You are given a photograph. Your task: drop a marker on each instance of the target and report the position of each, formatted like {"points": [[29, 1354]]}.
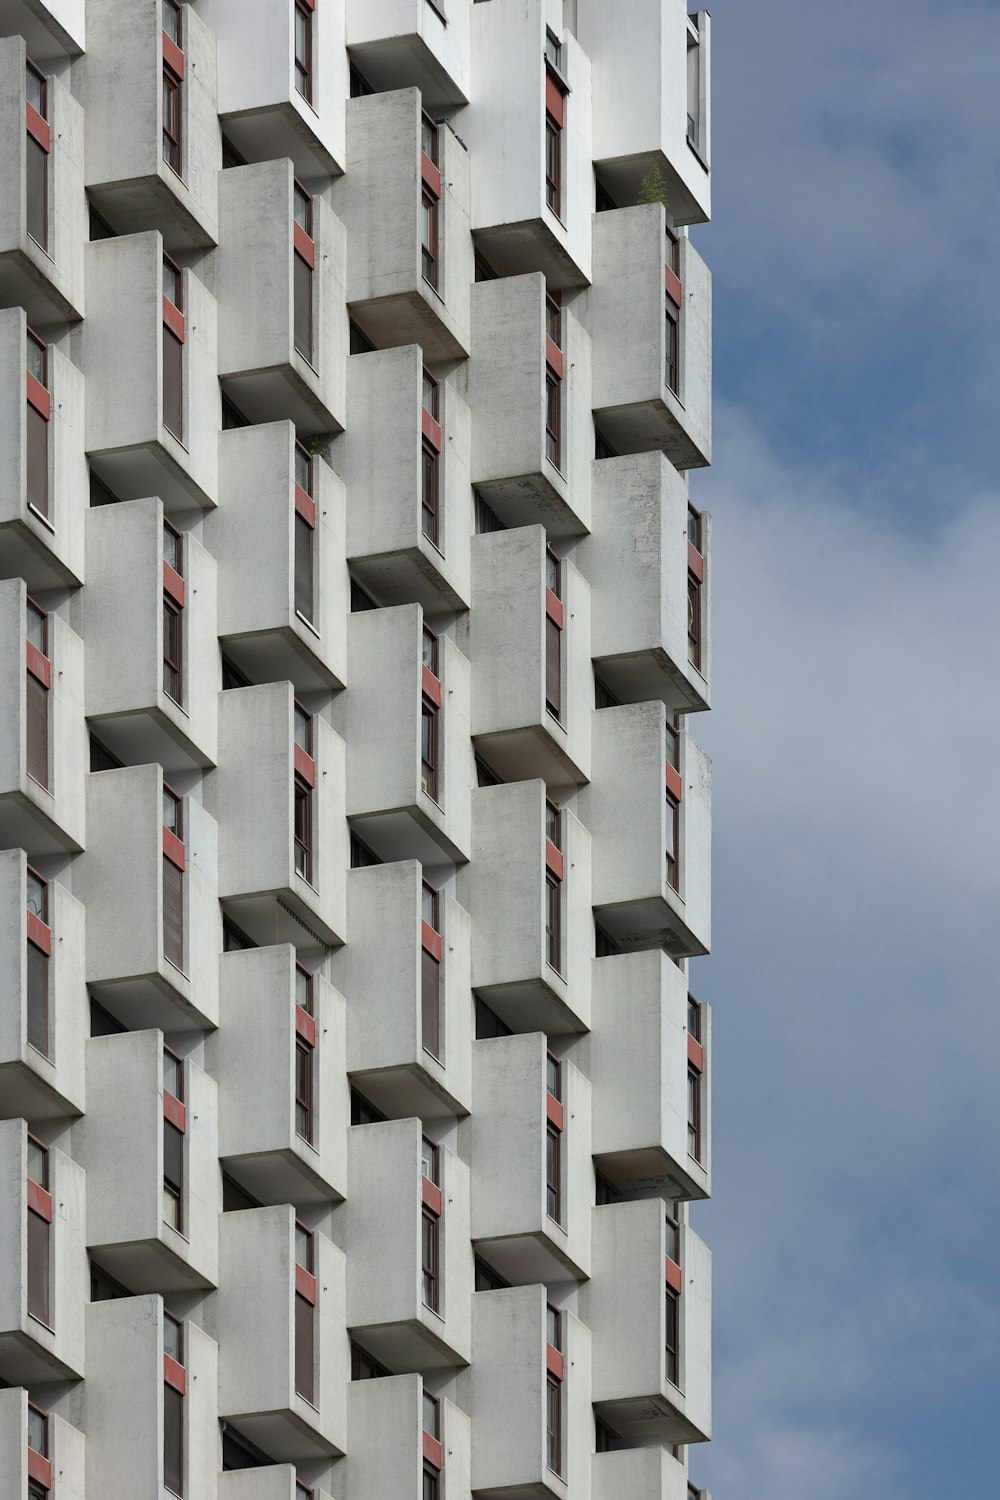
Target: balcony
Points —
{"points": [[43, 1226], [639, 1473], [395, 449], [290, 625], [531, 947], [640, 634], [152, 1425], [283, 252], [283, 1103], [381, 1470], [307, 1349], [653, 890], [512, 1450], [409, 1279], [153, 418], [53, 29], [42, 206], [531, 1201], [642, 1056], [415, 43], [528, 128], [41, 735], [276, 1482], [529, 645], [43, 477], [668, 125], [161, 1235], [409, 255], [46, 1016], [652, 339], [408, 760], [23, 1436], [150, 625], [273, 109], [152, 124], [409, 1024], [532, 432], [642, 1388], [283, 845], [151, 896]]}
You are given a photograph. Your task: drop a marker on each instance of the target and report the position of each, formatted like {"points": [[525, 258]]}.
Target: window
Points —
{"points": [[486, 517], [37, 678], [232, 417], [553, 165], [429, 238], [429, 1226], [553, 1424], [486, 1279], [696, 122], [304, 48], [429, 747], [239, 1453], [553, 317], [484, 271], [553, 49], [673, 742], [303, 468], [170, 20], [305, 1315], [173, 878], [430, 974], [553, 635], [553, 825], [553, 420], [488, 1023], [359, 85], [303, 827], [672, 349], [39, 1230], [38, 1430], [171, 119], [694, 621], [429, 491], [173, 1075], [673, 1235], [304, 601], [431, 394], [694, 1111], [304, 990], [39, 412], [553, 1327], [432, 1416], [361, 856], [432, 1478], [429, 651], [553, 934], [553, 1076], [359, 343], [485, 774], [673, 252], [432, 1439], [430, 1161], [173, 1439], [39, 947], [304, 1059], [602, 448], [302, 208], [672, 1321], [173, 379], [364, 1366], [553, 1173], [672, 821], [429, 138], [304, 259], [173, 1176], [172, 649], [37, 148], [363, 1111]]}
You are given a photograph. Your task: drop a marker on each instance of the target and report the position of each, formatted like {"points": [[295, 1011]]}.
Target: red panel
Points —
{"points": [[305, 1025], [430, 174], [433, 1452], [554, 1362], [37, 127], [696, 1054], [555, 100], [305, 766], [553, 859], [430, 940], [174, 319], [174, 1111], [39, 396], [673, 781], [173, 848], [173, 56], [553, 607], [696, 563], [38, 933], [553, 356], [553, 1111], [173, 584], [39, 1201], [430, 429], [305, 505], [38, 665], [431, 1195], [431, 686], [305, 1284], [672, 1273], [304, 245], [309, 4], [39, 1468], [672, 282], [174, 1374]]}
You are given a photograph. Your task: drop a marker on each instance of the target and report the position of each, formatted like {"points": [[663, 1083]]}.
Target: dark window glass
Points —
{"points": [[364, 1367], [173, 913], [553, 934], [553, 1076], [484, 271], [171, 20], [173, 1338], [429, 651], [304, 989], [429, 748], [553, 1174], [553, 674], [38, 1267], [173, 1074], [553, 49], [173, 1440], [303, 829], [173, 283], [429, 239], [38, 1000], [37, 358], [239, 1453], [429, 493], [553, 165], [304, 1055], [488, 1023], [429, 1258], [36, 191], [488, 1280], [431, 1483], [553, 425], [37, 730], [173, 812], [232, 677], [694, 622], [102, 1023], [236, 1198], [361, 855], [171, 120], [432, 1416], [553, 825], [37, 896], [553, 1327], [173, 384], [38, 1162], [232, 417], [486, 517], [673, 1232], [302, 208], [430, 1003], [694, 1113], [553, 319], [485, 775], [359, 84], [173, 1176], [673, 833], [35, 89], [303, 568], [672, 371], [430, 1159], [38, 1430], [98, 227], [363, 1111], [302, 293], [99, 492], [694, 528], [360, 343], [233, 940], [172, 676], [694, 1019], [429, 138], [430, 395], [305, 1348], [36, 461], [553, 1424], [173, 548], [303, 468], [671, 1336], [602, 448], [303, 50]]}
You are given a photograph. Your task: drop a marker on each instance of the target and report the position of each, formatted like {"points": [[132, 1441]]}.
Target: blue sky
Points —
{"points": [[856, 497]]}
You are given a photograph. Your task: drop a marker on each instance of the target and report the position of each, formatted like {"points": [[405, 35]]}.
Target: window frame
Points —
{"points": [[430, 1260], [303, 64], [173, 134], [553, 418], [429, 239]]}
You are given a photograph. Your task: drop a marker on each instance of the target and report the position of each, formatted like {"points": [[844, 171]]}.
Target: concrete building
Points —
{"points": [[354, 836]]}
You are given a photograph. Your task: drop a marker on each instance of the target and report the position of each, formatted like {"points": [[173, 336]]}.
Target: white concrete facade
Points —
{"points": [[354, 839]]}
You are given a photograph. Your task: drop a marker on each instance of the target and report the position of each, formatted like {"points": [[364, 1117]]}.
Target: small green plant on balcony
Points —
{"points": [[653, 188]]}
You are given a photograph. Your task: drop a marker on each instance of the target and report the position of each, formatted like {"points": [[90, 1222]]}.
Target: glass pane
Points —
{"points": [[38, 1163], [36, 359], [171, 812], [37, 461], [694, 528], [672, 750], [303, 990], [171, 21], [36, 1431], [36, 622], [171, 651], [429, 905], [428, 138], [553, 1076], [303, 729], [36, 190], [173, 913], [553, 49], [553, 1327], [172, 1337], [552, 824], [38, 1267], [173, 1074], [172, 548], [172, 284], [173, 384], [302, 294], [38, 1001], [35, 89], [428, 1159], [37, 902], [36, 730], [430, 1003], [173, 1156], [430, 395], [302, 209], [303, 1248], [303, 568], [671, 821], [428, 651], [173, 1440], [305, 1325], [430, 1415], [303, 469]]}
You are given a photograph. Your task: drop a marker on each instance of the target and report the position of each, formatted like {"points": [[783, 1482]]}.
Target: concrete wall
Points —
{"points": [[392, 1471], [640, 1473], [66, 1449], [412, 28]]}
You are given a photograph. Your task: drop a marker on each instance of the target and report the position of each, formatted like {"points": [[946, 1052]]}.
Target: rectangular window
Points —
{"points": [[364, 1366], [429, 492], [672, 1322], [553, 667], [305, 1318], [553, 317], [173, 913], [429, 651], [38, 1430], [361, 856], [171, 119], [39, 1229], [39, 411], [694, 1113], [173, 1439], [303, 468], [303, 567], [673, 820], [172, 647], [173, 1075], [694, 621], [303, 829], [553, 419], [37, 677], [553, 165], [673, 1234], [432, 1478], [430, 396], [38, 999], [487, 519], [488, 1023], [429, 747], [672, 350], [429, 1228], [553, 1173], [553, 825], [430, 1003], [553, 923], [553, 1076], [170, 20], [695, 111], [304, 1061], [553, 1424], [553, 49], [302, 208], [302, 298], [173, 384], [173, 1176], [430, 1160], [36, 192], [553, 1327], [429, 140], [429, 238], [304, 49]]}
